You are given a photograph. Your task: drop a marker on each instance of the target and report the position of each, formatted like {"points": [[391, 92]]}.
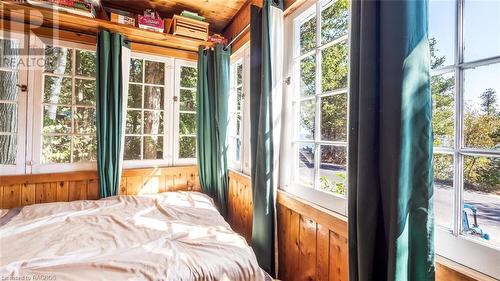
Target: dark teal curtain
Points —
{"points": [[390, 143], [212, 118], [263, 24], [109, 111]]}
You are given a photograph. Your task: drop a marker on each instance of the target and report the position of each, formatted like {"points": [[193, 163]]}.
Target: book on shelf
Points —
{"points": [[78, 7]]}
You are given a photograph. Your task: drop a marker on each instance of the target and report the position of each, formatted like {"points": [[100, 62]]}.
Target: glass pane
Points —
{"points": [[334, 20], [308, 35], [306, 164], [9, 53], [239, 74], [85, 92], [153, 97], [57, 90], [187, 147], [56, 149], [132, 148], [188, 100], [334, 118], [134, 96], [187, 123], [56, 119], [84, 148], [85, 63], [481, 36], [8, 149], [153, 122], [133, 124], [238, 124], [239, 96], [333, 169], [58, 60], [85, 120], [481, 195], [307, 122], [335, 66], [188, 77], [443, 189], [8, 117], [441, 32], [443, 109], [135, 70], [482, 107], [155, 72], [8, 82], [153, 147], [308, 76]]}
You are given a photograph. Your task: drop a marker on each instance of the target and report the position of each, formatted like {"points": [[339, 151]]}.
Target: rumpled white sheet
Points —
{"points": [[169, 236]]}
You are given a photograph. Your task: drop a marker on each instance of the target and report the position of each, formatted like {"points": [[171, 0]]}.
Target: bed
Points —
{"points": [[167, 236]]}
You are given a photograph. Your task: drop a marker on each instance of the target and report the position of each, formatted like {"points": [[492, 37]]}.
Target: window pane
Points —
{"points": [[239, 74], [56, 149], [57, 90], [153, 122], [133, 124], [187, 123], [441, 32], [188, 77], [188, 100], [85, 120], [306, 164], [334, 118], [9, 53], [481, 36], [8, 151], [481, 193], [8, 88], [153, 147], [155, 73], [187, 147], [333, 169], [482, 107], [85, 63], [58, 60], [443, 109], [308, 35], [8, 117], [132, 148], [308, 76], [134, 96], [85, 92], [56, 119], [238, 124], [135, 70], [443, 189], [307, 121], [153, 97], [239, 96], [334, 20], [84, 148], [335, 66]]}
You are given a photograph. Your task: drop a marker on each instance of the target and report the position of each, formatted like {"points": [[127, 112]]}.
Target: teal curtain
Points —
{"points": [[212, 119], [266, 26], [390, 143], [109, 111]]}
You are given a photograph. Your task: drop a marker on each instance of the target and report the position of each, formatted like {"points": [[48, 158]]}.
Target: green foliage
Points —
{"points": [[338, 187]]}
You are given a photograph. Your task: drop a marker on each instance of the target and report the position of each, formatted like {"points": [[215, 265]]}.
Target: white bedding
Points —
{"points": [[169, 236]]}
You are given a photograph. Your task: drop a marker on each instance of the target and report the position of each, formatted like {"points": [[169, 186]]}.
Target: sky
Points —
{"points": [[481, 40]]}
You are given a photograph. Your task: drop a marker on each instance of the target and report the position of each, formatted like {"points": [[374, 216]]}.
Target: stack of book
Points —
{"points": [[78, 7]]}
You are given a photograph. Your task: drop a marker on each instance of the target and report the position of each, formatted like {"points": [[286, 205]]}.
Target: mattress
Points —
{"points": [[168, 236]]}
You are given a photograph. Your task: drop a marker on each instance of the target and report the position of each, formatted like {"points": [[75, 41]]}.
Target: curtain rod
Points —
{"points": [[237, 36]]}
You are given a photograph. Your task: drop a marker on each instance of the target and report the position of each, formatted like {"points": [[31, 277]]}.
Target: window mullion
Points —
{"points": [[317, 116]]}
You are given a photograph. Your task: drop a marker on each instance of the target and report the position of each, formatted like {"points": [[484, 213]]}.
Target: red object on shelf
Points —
{"points": [[151, 21]]}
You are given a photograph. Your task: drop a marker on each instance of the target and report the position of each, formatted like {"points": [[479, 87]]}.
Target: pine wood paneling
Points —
{"points": [[240, 206]]}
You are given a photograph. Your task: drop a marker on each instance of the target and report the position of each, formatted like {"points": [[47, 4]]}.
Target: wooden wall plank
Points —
{"points": [[93, 189], [28, 194], [123, 186], [283, 217], [62, 192], [77, 190], [294, 245], [338, 257], [11, 196], [307, 248], [1, 197], [322, 252]]}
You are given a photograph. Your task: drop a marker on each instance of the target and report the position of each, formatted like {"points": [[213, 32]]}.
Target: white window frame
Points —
{"points": [[451, 243], [167, 118], [22, 106], [36, 98], [241, 56], [176, 116], [291, 103]]}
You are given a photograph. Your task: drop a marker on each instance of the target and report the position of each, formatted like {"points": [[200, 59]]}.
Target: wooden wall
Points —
{"points": [[240, 207], [22, 190]]}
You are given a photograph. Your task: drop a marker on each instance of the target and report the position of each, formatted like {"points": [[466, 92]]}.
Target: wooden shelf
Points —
{"points": [[36, 16]]}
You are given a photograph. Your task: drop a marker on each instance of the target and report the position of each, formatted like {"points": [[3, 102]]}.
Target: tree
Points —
{"points": [[489, 100]]}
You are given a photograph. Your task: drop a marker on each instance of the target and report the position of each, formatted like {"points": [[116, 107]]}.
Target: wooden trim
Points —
{"points": [[239, 22], [449, 270], [292, 5], [44, 178], [164, 51]]}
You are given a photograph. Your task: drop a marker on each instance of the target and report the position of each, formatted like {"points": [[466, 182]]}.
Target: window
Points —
{"points": [[320, 91], [186, 93], [465, 84]]}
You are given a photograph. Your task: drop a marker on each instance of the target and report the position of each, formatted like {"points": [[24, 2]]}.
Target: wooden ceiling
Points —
{"points": [[217, 12]]}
